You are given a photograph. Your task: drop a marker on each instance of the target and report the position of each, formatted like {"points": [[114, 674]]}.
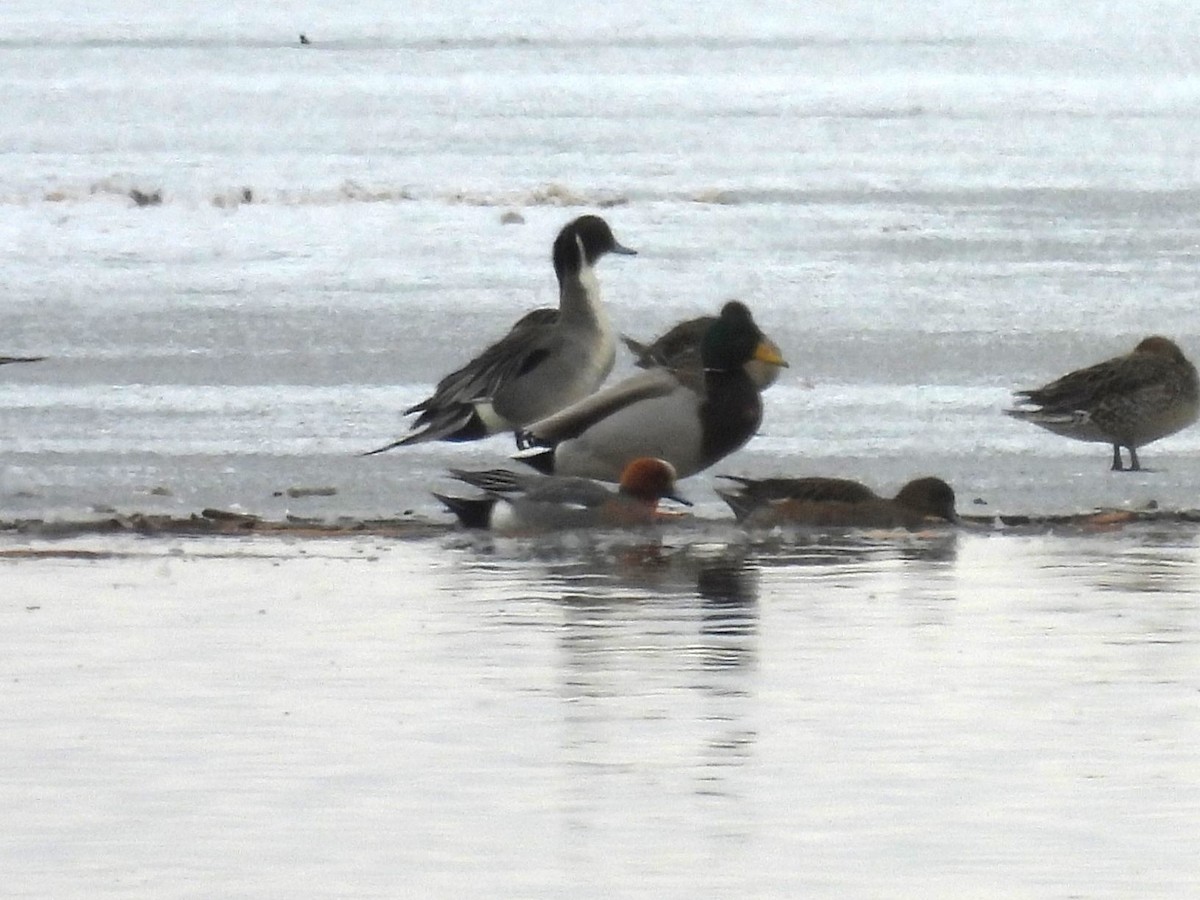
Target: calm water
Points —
{"points": [[985, 716], [925, 207]]}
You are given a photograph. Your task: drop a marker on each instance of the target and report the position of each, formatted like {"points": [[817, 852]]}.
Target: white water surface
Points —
{"points": [[944, 717]]}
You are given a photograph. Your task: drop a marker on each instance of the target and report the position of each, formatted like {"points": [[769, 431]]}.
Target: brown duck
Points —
{"points": [[837, 502], [1128, 401]]}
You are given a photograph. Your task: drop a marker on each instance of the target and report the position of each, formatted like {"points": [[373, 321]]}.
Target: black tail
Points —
{"points": [[472, 512], [740, 502], [464, 425], [542, 461]]}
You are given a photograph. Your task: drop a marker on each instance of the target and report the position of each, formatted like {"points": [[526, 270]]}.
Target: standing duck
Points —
{"points": [[1128, 401], [523, 503], [548, 360], [837, 502], [690, 417]]}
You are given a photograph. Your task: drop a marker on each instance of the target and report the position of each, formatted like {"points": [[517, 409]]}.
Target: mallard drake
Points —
{"points": [[1127, 401], [548, 359], [525, 503], [690, 417], [834, 502]]}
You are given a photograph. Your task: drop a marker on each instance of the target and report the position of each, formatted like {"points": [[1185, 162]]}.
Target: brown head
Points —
{"points": [[1157, 345], [929, 497], [649, 479]]}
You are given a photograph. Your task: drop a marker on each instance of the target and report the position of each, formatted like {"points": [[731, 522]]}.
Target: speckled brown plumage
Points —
{"points": [[1128, 401]]}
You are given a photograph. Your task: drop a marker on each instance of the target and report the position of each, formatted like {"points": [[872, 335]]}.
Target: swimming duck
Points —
{"points": [[679, 348], [690, 417], [522, 503], [549, 359], [837, 502], [1128, 401]]}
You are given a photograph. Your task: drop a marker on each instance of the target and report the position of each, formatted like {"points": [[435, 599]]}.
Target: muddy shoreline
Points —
{"points": [[219, 523]]}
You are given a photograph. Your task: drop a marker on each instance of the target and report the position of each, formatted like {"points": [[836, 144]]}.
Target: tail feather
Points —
{"points": [[643, 356], [472, 512], [742, 481], [460, 423], [542, 460], [1049, 417], [739, 501], [499, 481]]}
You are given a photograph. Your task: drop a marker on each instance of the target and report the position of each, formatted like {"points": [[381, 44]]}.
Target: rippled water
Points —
{"points": [[940, 716]]}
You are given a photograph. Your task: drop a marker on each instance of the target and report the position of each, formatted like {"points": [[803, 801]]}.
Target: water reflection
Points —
{"points": [[815, 548], [1150, 559], [728, 589], [657, 657], [724, 689], [697, 604]]}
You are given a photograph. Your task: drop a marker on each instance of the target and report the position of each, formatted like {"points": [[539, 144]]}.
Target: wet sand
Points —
{"points": [[218, 523]]}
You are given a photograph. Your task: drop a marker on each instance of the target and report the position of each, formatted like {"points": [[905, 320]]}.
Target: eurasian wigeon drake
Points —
{"points": [[690, 417], [549, 358], [1128, 401], [837, 502], [525, 503]]}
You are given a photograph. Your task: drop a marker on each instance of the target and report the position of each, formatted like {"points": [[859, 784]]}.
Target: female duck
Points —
{"points": [[690, 417], [1128, 401], [837, 502], [679, 348], [517, 503], [548, 360]]}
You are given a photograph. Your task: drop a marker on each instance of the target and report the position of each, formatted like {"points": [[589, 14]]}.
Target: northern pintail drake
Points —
{"points": [[1128, 401], [837, 502], [549, 359], [690, 417], [679, 348], [5, 360], [525, 503]]}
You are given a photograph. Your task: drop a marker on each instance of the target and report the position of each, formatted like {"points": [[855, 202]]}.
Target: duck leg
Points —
{"points": [[1134, 465], [1117, 466]]}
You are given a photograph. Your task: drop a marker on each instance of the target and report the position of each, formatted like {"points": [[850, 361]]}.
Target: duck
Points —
{"points": [[837, 502], [548, 359], [690, 417], [1127, 401], [526, 503], [679, 348]]}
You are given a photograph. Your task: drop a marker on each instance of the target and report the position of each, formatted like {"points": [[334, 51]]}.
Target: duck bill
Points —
{"points": [[677, 499], [768, 352], [623, 250]]}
